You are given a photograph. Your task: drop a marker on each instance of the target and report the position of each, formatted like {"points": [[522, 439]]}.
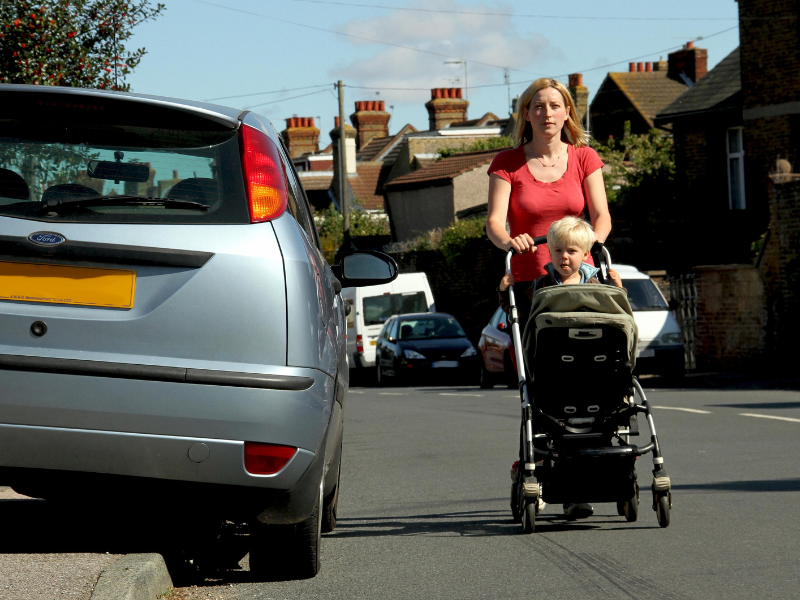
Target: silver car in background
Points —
{"points": [[167, 318]]}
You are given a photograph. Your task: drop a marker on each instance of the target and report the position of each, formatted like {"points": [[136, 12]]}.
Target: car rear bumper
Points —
{"points": [[169, 430], [361, 362], [665, 361]]}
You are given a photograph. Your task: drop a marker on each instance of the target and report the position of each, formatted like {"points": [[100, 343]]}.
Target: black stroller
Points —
{"points": [[580, 401]]}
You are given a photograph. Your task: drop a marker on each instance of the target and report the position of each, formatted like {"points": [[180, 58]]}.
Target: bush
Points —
{"points": [[330, 225], [492, 143]]}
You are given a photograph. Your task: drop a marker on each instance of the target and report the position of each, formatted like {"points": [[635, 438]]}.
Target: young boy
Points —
{"points": [[569, 241]]}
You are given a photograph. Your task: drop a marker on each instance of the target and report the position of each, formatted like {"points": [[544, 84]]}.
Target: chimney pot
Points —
{"points": [[336, 121], [689, 45], [459, 93], [648, 67], [371, 105], [311, 124], [640, 68], [381, 105], [631, 67]]}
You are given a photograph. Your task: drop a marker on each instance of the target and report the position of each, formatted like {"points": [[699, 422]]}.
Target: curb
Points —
{"points": [[133, 577]]}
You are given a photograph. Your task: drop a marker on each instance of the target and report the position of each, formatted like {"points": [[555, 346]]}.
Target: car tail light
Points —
{"points": [[266, 459], [359, 343], [265, 179]]}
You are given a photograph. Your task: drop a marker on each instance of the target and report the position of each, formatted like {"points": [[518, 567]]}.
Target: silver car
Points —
{"points": [[167, 318]]}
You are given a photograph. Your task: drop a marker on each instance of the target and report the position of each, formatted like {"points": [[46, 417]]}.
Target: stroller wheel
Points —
{"points": [[662, 509], [516, 513], [630, 508], [529, 516]]}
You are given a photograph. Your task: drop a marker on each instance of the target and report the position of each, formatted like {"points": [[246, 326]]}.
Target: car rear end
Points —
{"points": [[143, 306]]}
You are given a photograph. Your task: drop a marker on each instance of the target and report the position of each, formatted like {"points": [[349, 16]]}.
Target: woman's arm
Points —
{"points": [[595, 192], [499, 194]]}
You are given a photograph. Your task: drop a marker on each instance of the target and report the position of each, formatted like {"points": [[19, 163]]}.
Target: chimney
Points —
{"points": [[690, 61], [371, 121], [446, 106], [349, 147], [661, 65], [580, 94], [300, 136]]}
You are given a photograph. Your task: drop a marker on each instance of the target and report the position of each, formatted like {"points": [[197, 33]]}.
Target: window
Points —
{"points": [[644, 295], [735, 169], [431, 328], [377, 309]]}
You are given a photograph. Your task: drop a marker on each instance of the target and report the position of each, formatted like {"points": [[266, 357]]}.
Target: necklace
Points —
{"points": [[561, 149]]}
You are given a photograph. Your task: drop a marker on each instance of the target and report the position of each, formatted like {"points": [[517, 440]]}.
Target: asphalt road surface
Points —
{"points": [[424, 507]]}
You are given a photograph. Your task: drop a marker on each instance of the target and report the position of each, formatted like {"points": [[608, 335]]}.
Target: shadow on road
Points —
{"points": [[765, 485]]}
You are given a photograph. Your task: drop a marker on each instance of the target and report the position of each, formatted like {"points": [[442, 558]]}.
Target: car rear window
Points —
{"points": [[112, 161], [377, 309], [430, 328], [644, 295]]}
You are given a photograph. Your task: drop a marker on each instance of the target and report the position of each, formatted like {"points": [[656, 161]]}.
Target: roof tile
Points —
{"points": [[446, 168], [650, 92]]}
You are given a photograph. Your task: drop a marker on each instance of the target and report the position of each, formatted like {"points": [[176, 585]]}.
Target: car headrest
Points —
{"points": [[406, 331], [65, 191], [196, 189], [12, 185]]}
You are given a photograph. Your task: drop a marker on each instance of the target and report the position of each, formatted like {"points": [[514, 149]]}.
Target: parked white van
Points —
{"points": [[372, 306], [660, 339]]}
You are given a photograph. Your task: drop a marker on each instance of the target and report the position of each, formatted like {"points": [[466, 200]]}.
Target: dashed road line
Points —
{"points": [[473, 395], [392, 394], [790, 419], [354, 392], [691, 410]]}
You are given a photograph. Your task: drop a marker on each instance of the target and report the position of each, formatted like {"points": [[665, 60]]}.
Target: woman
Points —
{"points": [[551, 173]]}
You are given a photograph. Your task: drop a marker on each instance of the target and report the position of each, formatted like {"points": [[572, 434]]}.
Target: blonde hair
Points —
{"points": [[573, 131], [571, 231]]}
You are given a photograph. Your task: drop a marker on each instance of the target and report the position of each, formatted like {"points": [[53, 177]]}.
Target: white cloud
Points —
{"points": [[478, 39]]}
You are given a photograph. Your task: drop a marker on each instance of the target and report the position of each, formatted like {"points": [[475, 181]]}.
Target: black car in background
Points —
{"points": [[429, 346]]}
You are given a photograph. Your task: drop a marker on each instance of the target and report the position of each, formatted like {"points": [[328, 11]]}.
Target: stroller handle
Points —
{"points": [[537, 241]]}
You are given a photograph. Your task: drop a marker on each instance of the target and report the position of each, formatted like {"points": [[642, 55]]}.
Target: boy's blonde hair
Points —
{"points": [[571, 231]]}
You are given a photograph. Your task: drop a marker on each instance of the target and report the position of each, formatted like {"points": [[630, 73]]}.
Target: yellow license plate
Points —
{"points": [[373, 342], [62, 284]]}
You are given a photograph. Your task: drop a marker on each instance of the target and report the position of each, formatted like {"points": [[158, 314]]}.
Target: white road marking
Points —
{"points": [[691, 410], [354, 392], [790, 419], [473, 395], [392, 394]]}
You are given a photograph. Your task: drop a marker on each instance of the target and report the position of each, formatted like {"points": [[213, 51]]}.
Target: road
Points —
{"points": [[424, 507]]}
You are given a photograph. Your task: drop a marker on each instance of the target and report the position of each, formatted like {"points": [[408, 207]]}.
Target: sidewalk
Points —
{"points": [[43, 575], [753, 380]]}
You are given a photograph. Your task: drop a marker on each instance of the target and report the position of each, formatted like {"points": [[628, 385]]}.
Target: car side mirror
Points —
{"points": [[673, 304], [365, 267]]}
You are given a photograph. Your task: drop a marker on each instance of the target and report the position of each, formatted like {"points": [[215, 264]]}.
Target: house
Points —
{"points": [[707, 126], [645, 90], [431, 197]]}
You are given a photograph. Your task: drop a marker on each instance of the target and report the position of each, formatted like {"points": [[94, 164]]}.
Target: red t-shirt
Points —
{"points": [[534, 205]]}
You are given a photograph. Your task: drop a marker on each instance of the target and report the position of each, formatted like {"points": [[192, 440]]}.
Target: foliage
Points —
{"points": [[330, 225], [75, 43], [637, 160], [450, 241], [491, 143]]}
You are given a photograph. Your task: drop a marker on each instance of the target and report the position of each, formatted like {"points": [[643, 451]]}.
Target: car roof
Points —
{"points": [[221, 114], [629, 272], [425, 315]]}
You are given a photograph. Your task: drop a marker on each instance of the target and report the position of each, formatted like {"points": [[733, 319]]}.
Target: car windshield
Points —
{"points": [[377, 309], [121, 166], [644, 295], [430, 328]]}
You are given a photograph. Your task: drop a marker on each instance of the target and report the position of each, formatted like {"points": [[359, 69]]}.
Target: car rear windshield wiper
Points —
{"points": [[120, 199]]}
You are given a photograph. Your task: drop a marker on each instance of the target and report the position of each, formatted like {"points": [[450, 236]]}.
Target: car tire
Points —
{"points": [[378, 374], [486, 380], [283, 552]]}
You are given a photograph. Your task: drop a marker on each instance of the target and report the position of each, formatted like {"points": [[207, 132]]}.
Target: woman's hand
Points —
{"points": [[521, 243], [614, 276], [506, 282]]}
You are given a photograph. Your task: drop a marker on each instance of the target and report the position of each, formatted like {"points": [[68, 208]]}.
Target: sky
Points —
{"points": [[282, 58]]}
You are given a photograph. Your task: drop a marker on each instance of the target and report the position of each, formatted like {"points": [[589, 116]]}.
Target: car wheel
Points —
{"points": [[379, 374], [486, 379], [281, 552]]}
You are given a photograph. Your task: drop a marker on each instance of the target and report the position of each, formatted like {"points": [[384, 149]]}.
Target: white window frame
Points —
{"points": [[732, 202]]}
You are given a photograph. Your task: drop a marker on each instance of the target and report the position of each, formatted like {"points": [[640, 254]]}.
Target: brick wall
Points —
{"points": [[731, 317], [780, 269], [464, 287]]}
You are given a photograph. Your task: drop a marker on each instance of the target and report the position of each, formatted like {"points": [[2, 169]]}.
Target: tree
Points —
{"points": [[74, 43]]}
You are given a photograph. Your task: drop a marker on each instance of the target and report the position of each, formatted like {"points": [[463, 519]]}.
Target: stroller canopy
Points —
{"points": [[584, 305]]}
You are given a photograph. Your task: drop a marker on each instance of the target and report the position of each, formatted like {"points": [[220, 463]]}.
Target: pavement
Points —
{"points": [[101, 567]]}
